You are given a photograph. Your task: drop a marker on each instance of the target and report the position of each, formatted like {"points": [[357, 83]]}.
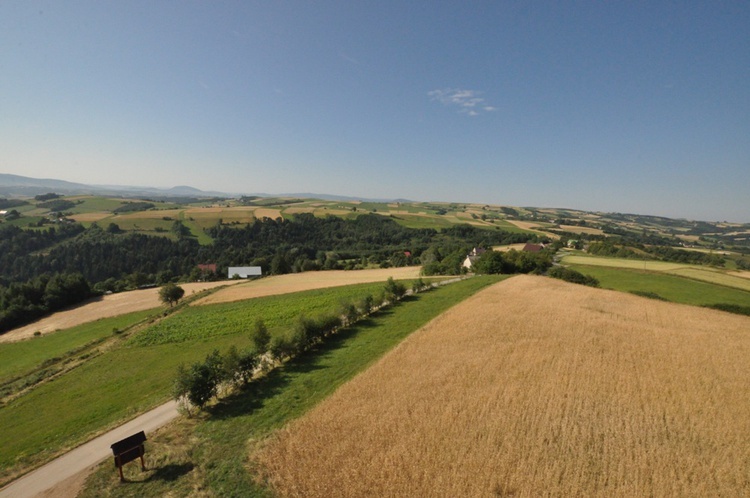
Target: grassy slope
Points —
{"points": [[211, 456], [17, 358], [704, 273], [670, 287], [138, 376]]}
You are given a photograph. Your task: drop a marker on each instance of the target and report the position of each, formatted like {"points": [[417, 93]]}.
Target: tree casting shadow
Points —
{"points": [[254, 395]]}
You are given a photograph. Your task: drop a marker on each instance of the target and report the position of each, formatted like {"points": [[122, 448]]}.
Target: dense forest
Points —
{"points": [[36, 264]]}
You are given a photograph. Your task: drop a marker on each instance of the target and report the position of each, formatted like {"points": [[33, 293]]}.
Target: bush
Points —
{"points": [[394, 290], [731, 308], [281, 347], [349, 314], [650, 295], [260, 337], [201, 381], [572, 276], [365, 305]]}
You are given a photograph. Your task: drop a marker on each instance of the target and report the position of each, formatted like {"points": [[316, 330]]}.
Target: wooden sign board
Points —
{"points": [[128, 449]]}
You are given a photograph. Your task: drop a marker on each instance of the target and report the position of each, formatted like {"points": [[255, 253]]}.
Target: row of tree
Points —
{"points": [[496, 262], [197, 384]]}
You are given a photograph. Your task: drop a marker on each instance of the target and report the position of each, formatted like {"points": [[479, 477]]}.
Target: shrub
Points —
{"points": [[349, 314], [394, 290], [260, 336], [573, 276], [365, 305], [281, 347]]}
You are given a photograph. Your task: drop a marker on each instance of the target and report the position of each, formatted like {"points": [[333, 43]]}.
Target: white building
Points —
{"points": [[244, 271]]}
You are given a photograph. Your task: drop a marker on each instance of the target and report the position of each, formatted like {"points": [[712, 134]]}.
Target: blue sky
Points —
{"points": [[640, 107]]}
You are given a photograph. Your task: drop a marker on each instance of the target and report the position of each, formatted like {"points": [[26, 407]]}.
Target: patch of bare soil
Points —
{"points": [[102, 307]]}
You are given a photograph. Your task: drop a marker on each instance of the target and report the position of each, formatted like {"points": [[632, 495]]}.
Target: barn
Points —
{"points": [[244, 271]]}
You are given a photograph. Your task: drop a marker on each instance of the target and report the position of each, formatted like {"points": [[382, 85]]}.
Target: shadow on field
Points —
{"points": [[171, 472], [254, 395]]}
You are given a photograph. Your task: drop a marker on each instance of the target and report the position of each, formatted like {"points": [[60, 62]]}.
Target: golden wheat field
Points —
{"points": [[297, 282], [536, 387]]}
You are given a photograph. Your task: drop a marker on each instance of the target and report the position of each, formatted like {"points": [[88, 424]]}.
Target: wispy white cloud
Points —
{"points": [[466, 101], [347, 58]]}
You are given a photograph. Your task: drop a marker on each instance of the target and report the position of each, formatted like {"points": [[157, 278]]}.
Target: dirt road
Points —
{"points": [[63, 476]]}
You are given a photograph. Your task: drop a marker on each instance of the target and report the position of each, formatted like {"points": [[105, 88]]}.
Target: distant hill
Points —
{"points": [[15, 185], [23, 184]]}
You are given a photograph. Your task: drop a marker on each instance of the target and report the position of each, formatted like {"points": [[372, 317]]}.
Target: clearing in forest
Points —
{"points": [[536, 387]]}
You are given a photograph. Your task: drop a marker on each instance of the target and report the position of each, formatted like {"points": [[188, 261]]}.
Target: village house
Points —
{"points": [[472, 257]]}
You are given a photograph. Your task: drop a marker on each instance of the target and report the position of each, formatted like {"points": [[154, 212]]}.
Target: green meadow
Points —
{"points": [[670, 287], [18, 358]]}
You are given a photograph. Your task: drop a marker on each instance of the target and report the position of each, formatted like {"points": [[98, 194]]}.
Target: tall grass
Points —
{"points": [[536, 387]]}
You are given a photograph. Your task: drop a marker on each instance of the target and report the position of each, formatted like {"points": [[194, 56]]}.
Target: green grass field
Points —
{"points": [[510, 227], [95, 204], [216, 450], [18, 358], [138, 375], [670, 287], [702, 273], [419, 221]]}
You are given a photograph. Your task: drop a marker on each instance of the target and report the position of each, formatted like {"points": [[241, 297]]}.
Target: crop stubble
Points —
{"points": [[537, 387]]}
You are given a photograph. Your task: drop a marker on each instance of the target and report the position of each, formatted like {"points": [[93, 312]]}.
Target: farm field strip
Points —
{"points": [[126, 302], [635, 264], [690, 271], [137, 376], [666, 285], [532, 226], [295, 282], [536, 387], [580, 229], [104, 307]]}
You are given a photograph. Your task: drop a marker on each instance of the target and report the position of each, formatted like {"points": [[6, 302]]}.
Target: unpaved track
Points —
{"points": [[62, 477]]}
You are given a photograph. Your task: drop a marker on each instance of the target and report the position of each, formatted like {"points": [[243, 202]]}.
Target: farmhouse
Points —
{"points": [[472, 257], [244, 271]]}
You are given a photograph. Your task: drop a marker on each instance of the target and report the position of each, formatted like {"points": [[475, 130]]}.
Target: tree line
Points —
{"points": [[197, 384], [110, 260], [21, 303]]}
